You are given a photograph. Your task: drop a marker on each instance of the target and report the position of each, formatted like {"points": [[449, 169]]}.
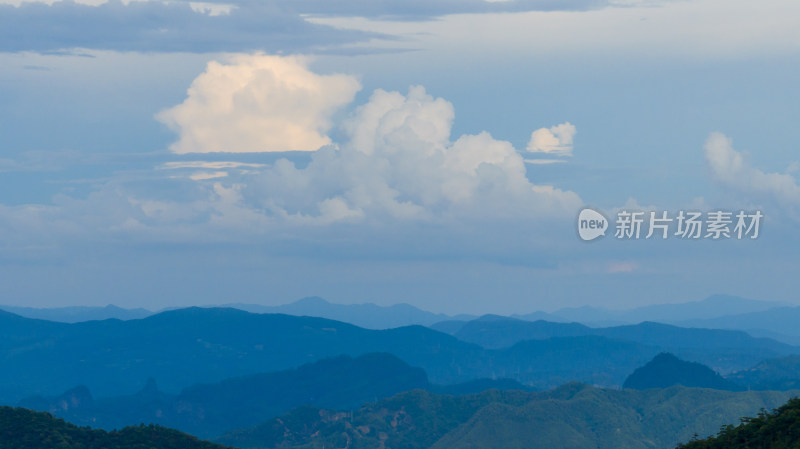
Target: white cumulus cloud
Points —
{"points": [[397, 182], [401, 163], [258, 103], [554, 141]]}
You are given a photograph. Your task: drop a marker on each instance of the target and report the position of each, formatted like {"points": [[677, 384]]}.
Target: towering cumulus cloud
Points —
{"points": [[396, 163], [401, 163], [258, 103]]}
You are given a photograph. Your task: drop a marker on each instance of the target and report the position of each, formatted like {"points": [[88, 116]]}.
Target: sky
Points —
{"points": [[438, 153]]}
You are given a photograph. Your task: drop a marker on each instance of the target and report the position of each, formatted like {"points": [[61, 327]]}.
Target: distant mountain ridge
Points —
{"points": [[761, 318], [717, 348], [367, 315], [206, 345], [780, 320], [78, 313], [712, 307]]}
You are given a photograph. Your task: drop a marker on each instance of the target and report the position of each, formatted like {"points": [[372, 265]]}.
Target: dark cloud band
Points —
{"points": [[271, 26]]}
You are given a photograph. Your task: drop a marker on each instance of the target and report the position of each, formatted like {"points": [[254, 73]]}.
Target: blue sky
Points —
{"points": [[436, 153]]}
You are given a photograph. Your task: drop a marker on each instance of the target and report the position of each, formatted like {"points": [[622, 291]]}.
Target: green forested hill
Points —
{"points": [[572, 416], [779, 429], [21, 429], [411, 420]]}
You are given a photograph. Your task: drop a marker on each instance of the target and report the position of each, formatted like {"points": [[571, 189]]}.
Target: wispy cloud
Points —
{"points": [[730, 168], [173, 165]]}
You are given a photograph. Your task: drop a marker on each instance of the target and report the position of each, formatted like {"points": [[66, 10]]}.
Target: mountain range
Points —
{"points": [[716, 311], [715, 306], [209, 410], [724, 350], [367, 315], [572, 416], [782, 373], [78, 313], [204, 345]]}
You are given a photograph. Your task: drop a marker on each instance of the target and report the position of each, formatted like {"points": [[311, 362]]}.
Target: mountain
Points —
{"points": [[714, 306], [195, 345], [494, 332], [772, 374], [209, 410], [769, 430], [369, 316], [449, 326], [725, 350], [591, 359], [572, 416], [666, 370], [206, 345], [478, 386], [591, 316], [793, 340], [66, 404], [114, 357], [22, 428], [781, 321], [541, 316], [78, 314], [415, 419]]}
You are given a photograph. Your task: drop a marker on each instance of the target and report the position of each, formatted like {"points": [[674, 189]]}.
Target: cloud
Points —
{"points": [[554, 141], [387, 9], [545, 161], [730, 168], [156, 26], [258, 103], [622, 267], [429, 9], [173, 165], [401, 163], [204, 170], [396, 184], [236, 26]]}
